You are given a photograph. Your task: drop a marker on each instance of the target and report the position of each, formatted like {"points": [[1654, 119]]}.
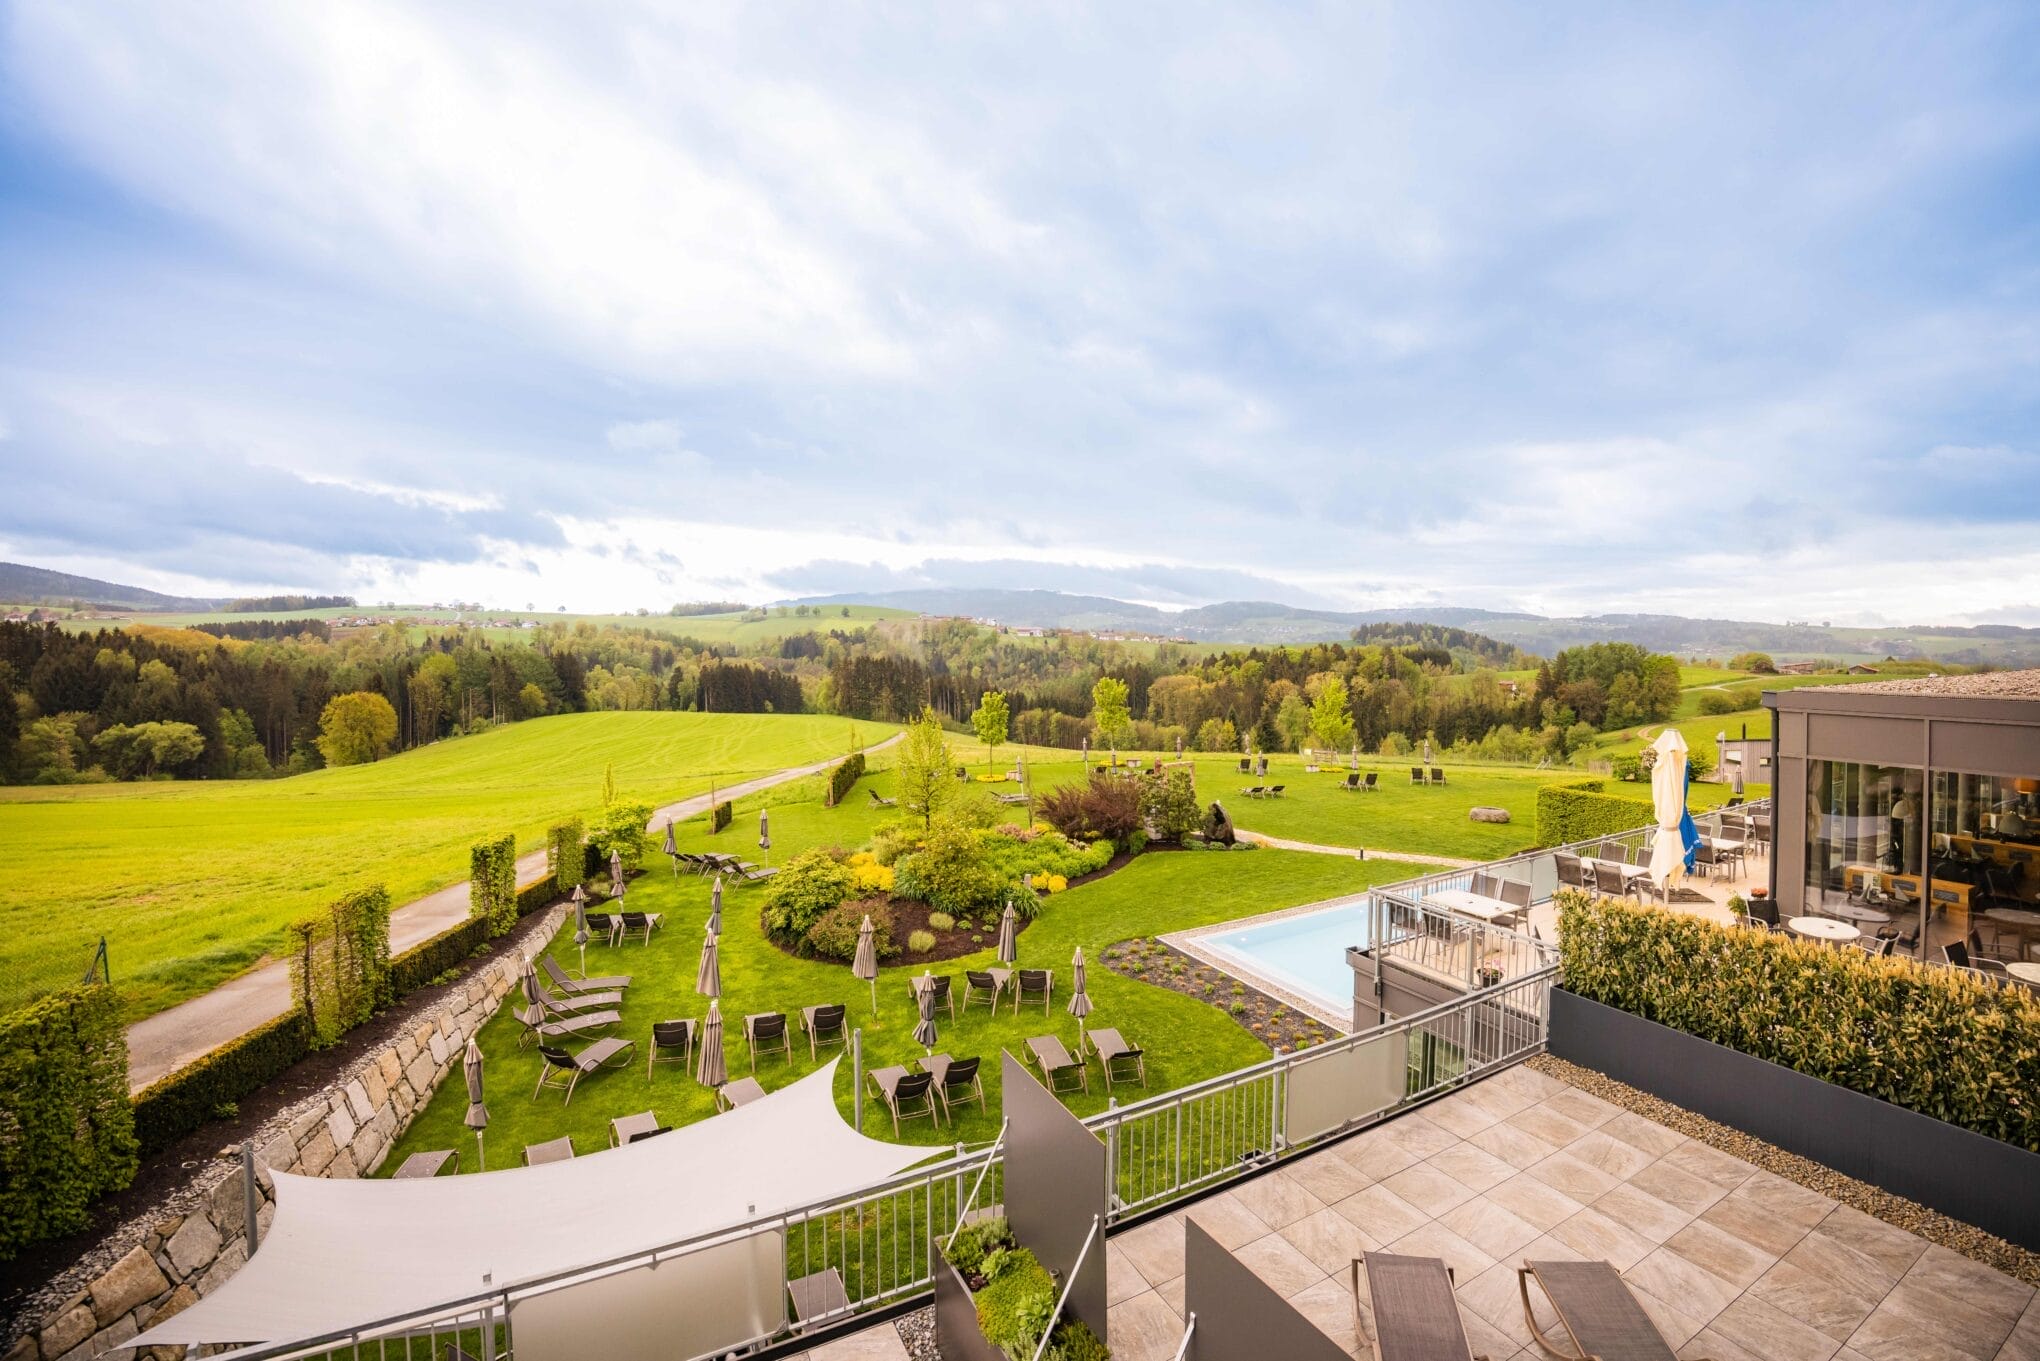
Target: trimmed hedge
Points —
{"points": [[492, 883], [340, 963], [67, 1133], [563, 852], [1579, 811], [719, 816], [843, 778], [532, 897], [428, 959], [1931, 1040], [174, 1105]]}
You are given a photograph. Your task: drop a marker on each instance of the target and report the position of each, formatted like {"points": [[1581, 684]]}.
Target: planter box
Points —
{"points": [[956, 1325], [1979, 1180]]}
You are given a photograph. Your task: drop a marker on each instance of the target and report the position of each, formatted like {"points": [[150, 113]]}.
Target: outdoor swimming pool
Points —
{"points": [[1305, 954]]}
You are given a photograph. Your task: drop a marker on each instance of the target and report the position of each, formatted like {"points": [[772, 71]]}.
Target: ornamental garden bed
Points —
{"points": [[1274, 1023]]}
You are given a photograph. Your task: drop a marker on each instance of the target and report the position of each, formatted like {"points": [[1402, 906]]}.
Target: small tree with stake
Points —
{"points": [[990, 721]]}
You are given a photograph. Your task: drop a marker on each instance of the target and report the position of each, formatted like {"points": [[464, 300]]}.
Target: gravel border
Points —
{"points": [[1932, 1225]]}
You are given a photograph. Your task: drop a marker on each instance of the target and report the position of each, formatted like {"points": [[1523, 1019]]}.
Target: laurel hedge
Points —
{"points": [[178, 1103], [67, 1133], [340, 963], [1579, 811], [843, 777], [719, 816], [564, 854], [1932, 1040], [492, 883]]}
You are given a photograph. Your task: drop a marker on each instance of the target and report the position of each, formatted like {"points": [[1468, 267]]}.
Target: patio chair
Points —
{"points": [[625, 1128], [1483, 885], [1516, 894], [672, 1042], [1054, 1061], [741, 1092], [824, 1026], [980, 986], [878, 802], [566, 983], [957, 1084], [1415, 1313], [1032, 983], [1605, 878], [945, 1000], [561, 1069], [765, 1032], [907, 1095], [1598, 1315], [1571, 872], [538, 1027], [1437, 775], [644, 1134], [639, 923], [1416, 774], [551, 1151], [1112, 1048]]}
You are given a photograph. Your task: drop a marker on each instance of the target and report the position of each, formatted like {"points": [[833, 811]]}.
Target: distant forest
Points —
{"points": [[245, 698]]}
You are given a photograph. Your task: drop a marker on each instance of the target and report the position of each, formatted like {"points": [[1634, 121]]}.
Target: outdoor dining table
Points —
{"points": [[1472, 904], [2025, 973], [1824, 928]]}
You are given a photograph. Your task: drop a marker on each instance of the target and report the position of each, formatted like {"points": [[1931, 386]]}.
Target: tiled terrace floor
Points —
{"points": [[1734, 1263]]}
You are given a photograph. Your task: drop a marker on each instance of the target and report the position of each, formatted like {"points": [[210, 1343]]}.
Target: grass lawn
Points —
{"points": [[192, 881], [1186, 1040]]}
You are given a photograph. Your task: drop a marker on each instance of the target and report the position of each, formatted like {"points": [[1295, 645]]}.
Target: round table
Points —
{"points": [[1823, 928], [2025, 973]]}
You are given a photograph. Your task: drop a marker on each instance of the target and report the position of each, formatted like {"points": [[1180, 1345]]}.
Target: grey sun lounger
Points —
{"points": [[1112, 1048], [537, 1026], [1416, 1315], [561, 1069], [1599, 1317], [551, 1151], [567, 983], [1054, 1060]]}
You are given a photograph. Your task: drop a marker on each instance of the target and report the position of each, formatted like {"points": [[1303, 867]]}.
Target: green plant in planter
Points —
{"points": [[1074, 1341], [977, 1241], [1014, 1308]]}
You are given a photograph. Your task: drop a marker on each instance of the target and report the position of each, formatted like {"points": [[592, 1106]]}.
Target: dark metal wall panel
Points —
{"points": [[1867, 738], [1979, 1180], [1986, 748], [956, 1327], [1791, 734], [1788, 833], [1239, 1316], [1055, 1186]]}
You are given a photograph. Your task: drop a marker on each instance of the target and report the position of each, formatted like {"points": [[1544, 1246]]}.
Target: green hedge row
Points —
{"points": [[532, 897], [844, 777], [1579, 811], [1935, 1041], [563, 851], [719, 816], [179, 1103], [428, 959], [492, 883], [67, 1134]]}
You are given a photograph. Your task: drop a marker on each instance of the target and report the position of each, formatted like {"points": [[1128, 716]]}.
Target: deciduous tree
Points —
{"points": [[990, 721], [925, 783], [356, 728]]}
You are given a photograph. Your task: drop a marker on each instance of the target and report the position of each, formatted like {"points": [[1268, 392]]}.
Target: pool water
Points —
{"points": [[1306, 954]]}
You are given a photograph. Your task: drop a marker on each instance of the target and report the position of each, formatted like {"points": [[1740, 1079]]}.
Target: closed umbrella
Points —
{"points": [[477, 1113], [1008, 924], [1080, 1001], [708, 978], [924, 997], [865, 965], [1427, 751], [616, 874], [1084, 747], [528, 980], [764, 830], [581, 928], [715, 908], [671, 849], [1671, 854], [709, 1070]]}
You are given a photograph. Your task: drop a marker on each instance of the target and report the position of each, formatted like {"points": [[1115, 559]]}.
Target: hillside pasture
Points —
{"points": [[191, 882]]}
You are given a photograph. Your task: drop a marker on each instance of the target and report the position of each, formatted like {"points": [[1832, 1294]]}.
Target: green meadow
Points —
{"points": [[191, 882]]}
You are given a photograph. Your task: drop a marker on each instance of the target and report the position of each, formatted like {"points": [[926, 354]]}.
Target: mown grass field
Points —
{"points": [[191, 882], [1186, 1039]]}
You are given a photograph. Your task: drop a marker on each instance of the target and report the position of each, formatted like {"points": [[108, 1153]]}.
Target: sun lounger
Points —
{"points": [[639, 923], [1011, 800], [1416, 1315], [1275, 790], [538, 1027], [1112, 1048], [1597, 1314], [980, 986], [906, 1094], [818, 1298], [562, 1069], [957, 1082], [672, 1042], [1032, 983], [428, 1164], [603, 925], [742, 1092], [765, 1032], [878, 802], [824, 1025], [551, 1151], [1437, 775], [1351, 782], [1054, 1060], [1254, 791], [944, 998], [1372, 782], [573, 1004], [625, 1128], [751, 874], [566, 983], [1416, 774]]}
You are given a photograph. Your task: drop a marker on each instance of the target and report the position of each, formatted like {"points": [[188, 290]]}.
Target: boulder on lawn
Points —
{"points": [[1489, 815]]}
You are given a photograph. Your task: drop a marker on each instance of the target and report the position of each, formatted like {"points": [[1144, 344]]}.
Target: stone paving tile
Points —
{"points": [[1435, 1240], [1382, 1214], [1330, 1240], [1647, 1135], [1430, 1190], [1330, 1179], [1642, 1214], [1602, 1150], [2024, 1343], [1122, 1279], [1549, 1125], [1535, 1202], [1491, 1227], [1144, 1328], [1745, 1217], [1678, 1188], [1155, 1249], [1228, 1221], [1517, 1147], [1472, 1166], [1891, 1248], [1281, 1264], [1733, 1259], [1759, 1326], [1329, 1305], [1582, 1181], [1277, 1198], [1461, 1115], [1596, 1235], [873, 1344], [1835, 1303]]}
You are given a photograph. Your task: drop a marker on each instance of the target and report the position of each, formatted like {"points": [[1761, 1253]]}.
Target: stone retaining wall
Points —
{"points": [[345, 1130]]}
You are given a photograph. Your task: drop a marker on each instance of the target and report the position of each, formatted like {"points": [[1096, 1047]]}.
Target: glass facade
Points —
{"points": [[1933, 858]]}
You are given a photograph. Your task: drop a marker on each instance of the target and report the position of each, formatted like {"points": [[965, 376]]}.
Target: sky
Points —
{"points": [[1715, 310]]}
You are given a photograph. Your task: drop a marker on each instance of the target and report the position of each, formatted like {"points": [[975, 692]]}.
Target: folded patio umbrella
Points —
{"points": [[764, 830], [616, 874], [581, 928], [708, 978], [1008, 924], [477, 1118], [710, 1071], [529, 981], [670, 848], [865, 965], [924, 996], [1080, 1001], [715, 908]]}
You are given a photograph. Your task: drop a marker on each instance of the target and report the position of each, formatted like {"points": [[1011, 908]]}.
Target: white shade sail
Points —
{"points": [[345, 1252]]}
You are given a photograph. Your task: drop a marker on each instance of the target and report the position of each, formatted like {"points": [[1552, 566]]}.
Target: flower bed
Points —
{"points": [[1279, 1026]]}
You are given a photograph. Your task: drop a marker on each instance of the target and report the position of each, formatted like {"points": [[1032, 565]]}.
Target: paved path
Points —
{"points": [[170, 1039], [1353, 852]]}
